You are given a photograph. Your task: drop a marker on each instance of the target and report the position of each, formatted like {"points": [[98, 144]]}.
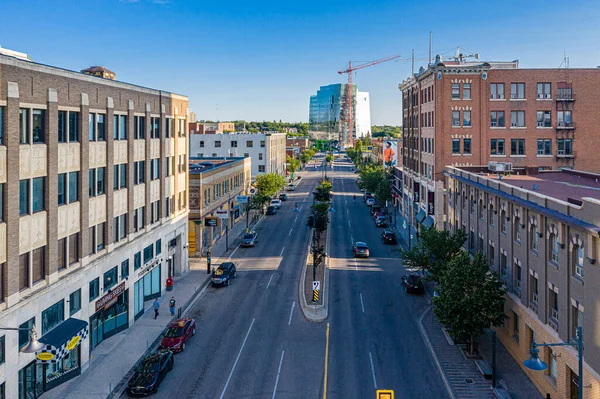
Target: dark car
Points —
{"points": [[413, 283], [381, 221], [250, 239], [367, 195], [271, 210], [150, 372], [283, 197], [177, 334], [388, 237], [223, 274], [360, 250]]}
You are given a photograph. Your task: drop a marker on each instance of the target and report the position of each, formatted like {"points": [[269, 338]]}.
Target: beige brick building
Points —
{"points": [[94, 212], [540, 232]]}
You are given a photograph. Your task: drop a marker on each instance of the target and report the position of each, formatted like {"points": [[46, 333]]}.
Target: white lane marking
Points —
{"points": [[282, 249], [291, 313], [362, 304], [346, 202], [234, 251], [296, 219], [347, 211], [352, 239], [290, 233], [270, 278], [349, 224], [373, 370], [278, 373], [237, 359], [355, 265]]}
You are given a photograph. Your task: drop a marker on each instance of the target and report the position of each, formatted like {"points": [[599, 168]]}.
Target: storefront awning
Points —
{"points": [[61, 340], [420, 216], [428, 222]]}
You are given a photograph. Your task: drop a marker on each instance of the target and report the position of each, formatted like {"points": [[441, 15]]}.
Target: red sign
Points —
{"points": [[111, 298]]}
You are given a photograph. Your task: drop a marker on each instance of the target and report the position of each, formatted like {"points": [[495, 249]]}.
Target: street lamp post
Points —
{"points": [[33, 345], [534, 362]]}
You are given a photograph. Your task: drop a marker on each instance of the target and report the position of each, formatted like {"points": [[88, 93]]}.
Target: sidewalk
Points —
{"points": [[115, 357]]}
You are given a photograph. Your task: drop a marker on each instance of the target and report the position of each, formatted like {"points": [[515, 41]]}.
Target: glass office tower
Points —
{"points": [[325, 109]]}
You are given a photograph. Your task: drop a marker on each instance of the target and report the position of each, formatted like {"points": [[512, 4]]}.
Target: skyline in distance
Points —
{"points": [[262, 61]]}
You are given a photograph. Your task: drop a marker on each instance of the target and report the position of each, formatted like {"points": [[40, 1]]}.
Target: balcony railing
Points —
{"points": [[565, 96], [565, 125]]}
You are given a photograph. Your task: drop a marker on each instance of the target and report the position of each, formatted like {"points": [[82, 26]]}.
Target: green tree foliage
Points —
{"points": [[386, 131], [470, 297], [443, 246], [323, 191], [418, 257], [292, 164], [258, 201], [272, 127], [306, 155], [358, 145], [329, 158], [320, 209], [269, 184], [383, 192], [370, 177]]}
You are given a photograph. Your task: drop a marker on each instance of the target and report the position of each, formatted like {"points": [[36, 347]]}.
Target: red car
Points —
{"points": [[177, 334], [377, 214]]}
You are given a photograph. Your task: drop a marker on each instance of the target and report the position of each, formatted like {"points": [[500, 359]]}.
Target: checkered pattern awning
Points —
{"points": [[61, 340]]}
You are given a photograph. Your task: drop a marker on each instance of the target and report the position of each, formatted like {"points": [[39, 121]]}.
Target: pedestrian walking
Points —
{"points": [[172, 305], [156, 307]]}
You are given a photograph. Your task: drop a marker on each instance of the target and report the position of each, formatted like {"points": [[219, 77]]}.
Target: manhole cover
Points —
{"points": [[469, 380]]}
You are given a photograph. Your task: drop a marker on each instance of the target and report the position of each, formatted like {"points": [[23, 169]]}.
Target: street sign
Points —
{"points": [[241, 199], [222, 214], [316, 285], [252, 190], [210, 222]]}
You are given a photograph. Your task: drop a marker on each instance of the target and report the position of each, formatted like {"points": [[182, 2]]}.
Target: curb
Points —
{"points": [[433, 354]]}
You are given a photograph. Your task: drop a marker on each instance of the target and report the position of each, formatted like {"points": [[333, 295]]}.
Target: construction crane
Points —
{"points": [[348, 103]]}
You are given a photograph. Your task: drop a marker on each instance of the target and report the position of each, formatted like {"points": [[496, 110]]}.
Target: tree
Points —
{"points": [[258, 202], [358, 145], [292, 165], [320, 209], [329, 158], [323, 191], [370, 177], [417, 257], [442, 247], [470, 297], [269, 184], [383, 192]]}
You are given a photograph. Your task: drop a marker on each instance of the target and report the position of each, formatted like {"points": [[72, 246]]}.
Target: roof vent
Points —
{"points": [[574, 201]]}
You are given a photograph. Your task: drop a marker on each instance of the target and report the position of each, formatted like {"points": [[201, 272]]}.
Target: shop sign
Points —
{"points": [[416, 191], [45, 356], [430, 202], [210, 222], [150, 265], [241, 199], [111, 298], [222, 214], [73, 343]]}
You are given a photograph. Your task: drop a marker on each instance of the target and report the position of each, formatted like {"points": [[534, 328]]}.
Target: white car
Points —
{"points": [[370, 202], [290, 187], [276, 203]]}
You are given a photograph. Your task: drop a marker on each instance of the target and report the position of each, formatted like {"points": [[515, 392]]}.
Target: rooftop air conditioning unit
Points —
{"points": [[500, 166]]}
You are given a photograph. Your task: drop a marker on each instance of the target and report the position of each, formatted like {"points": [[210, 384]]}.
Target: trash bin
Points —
{"points": [[170, 284]]}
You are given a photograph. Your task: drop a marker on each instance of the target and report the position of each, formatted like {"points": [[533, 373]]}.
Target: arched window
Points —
{"points": [[577, 260], [553, 248]]}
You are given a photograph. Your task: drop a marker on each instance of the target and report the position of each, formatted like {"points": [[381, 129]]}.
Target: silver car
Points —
{"points": [[250, 239]]}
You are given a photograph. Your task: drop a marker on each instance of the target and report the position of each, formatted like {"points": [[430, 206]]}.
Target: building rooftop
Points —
{"points": [[201, 165]]}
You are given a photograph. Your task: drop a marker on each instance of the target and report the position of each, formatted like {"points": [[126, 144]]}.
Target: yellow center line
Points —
{"points": [[326, 362]]}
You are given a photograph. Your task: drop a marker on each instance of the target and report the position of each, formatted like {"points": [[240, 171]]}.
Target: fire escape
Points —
{"points": [[565, 127]]}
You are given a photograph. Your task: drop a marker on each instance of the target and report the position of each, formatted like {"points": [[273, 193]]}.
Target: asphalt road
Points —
{"points": [[252, 340]]}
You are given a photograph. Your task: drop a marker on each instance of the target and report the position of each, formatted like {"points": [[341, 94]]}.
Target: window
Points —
{"points": [[466, 146], [148, 253], [565, 146], [534, 239], [261, 168], [517, 118], [497, 91], [100, 127], [122, 176], [466, 118], [503, 221], [119, 227], [491, 255], [38, 258], [73, 184], [158, 247], [497, 119], [139, 127], [92, 182], [25, 332], [260, 156], [100, 236], [73, 248], [24, 197], [472, 241], [122, 127], [53, 316], [74, 302], [62, 126], [155, 211], [217, 144], [137, 261], [154, 127], [544, 147], [2, 129], [38, 195], [553, 367], [553, 248], [38, 125], [125, 269], [62, 253], [534, 289], [234, 143], [100, 181], [544, 119], [577, 259], [249, 143], [517, 91], [455, 118], [455, 91], [139, 172], [544, 90], [517, 146], [73, 127], [497, 146], [553, 304], [456, 146], [2, 356], [24, 126], [576, 320], [168, 127], [491, 217], [94, 288], [138, 219], [201, 144], [466, 91], [92, 127], [169, 204], [564, 118], [111, 278], [503, 263], [262, 143], [154, 175]]}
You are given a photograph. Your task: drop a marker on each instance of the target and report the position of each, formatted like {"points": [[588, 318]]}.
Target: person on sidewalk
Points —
{"points": [[172, 306], [156, 307]]}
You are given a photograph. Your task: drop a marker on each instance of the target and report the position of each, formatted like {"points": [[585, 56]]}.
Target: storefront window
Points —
{"points": [[67, 365], [53, 316], [108, 322], [24, 333], [31, 382]]}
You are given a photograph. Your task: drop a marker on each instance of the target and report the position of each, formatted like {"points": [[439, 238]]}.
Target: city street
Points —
{"points": [[253, 341]]}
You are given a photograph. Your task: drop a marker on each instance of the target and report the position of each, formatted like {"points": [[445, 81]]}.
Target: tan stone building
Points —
{"points": [[214, 185], [93, 213], [540, 232]]}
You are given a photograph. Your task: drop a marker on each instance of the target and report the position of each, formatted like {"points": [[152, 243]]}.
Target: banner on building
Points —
{"points": [[416, 191], [390, 154], [430, 203]]}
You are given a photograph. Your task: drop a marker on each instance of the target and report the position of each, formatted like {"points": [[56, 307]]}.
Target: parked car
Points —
{"points": [[250, 239], [276, 203], [370, 201], [283, 197], [413, 283], [150, 372], [271, 210], [381, 221], [367, 195], [377, 214], [223, 274], [360, 250], [375, 208], [290, 187], [389, 237], [177, 334]]}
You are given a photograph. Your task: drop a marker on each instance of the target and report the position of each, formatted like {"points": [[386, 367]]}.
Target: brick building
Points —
{"points": [[470, 113], [295, 145], [211, 127], [93, 213], [540, 233]]}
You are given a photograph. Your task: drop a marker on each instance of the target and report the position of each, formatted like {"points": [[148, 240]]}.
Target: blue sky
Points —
{"points": [[262, 59]]}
